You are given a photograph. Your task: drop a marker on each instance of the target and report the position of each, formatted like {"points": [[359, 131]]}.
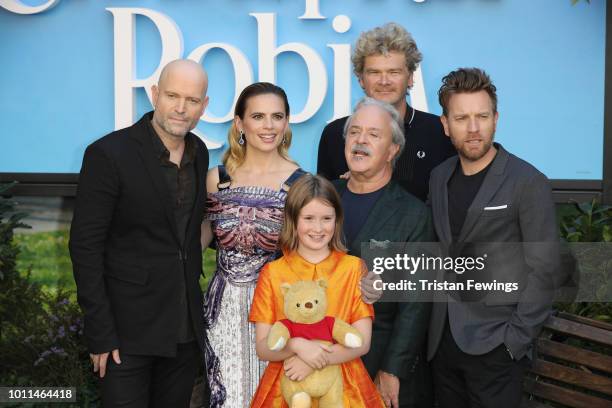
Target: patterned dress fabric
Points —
{"points": [[246, 223]]}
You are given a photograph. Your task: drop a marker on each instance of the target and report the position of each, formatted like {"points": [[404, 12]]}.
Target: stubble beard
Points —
{"points": [[178, 131]]}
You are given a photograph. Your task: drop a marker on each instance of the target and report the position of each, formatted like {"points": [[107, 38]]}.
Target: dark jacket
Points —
{"points": [[125, 248], [426, 147], [399, 329], [512, 220]]}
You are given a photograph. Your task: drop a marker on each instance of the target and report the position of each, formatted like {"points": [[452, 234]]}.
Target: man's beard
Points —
{"points": [[474, 155], [174, 129]]}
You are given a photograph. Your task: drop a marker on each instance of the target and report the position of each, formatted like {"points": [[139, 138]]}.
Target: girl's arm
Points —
{"points": [[313, 353], [341, 354], [261, 345]]}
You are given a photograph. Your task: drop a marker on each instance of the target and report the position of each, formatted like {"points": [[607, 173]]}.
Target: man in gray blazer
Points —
{"points": [[496, 204]]}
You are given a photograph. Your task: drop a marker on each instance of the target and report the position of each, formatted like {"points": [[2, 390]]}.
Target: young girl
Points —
{"points": [[312, 249]]}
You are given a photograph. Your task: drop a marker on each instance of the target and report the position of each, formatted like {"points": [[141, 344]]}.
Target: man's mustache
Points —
{"points": [[360, 148]]}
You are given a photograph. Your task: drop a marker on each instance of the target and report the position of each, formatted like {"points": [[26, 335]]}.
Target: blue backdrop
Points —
{"points": [[546, 58]]}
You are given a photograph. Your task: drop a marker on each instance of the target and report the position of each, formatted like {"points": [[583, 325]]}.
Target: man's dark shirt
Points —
{"points": [[357, 208], [461, 192], [426, 147], [181, 185]]}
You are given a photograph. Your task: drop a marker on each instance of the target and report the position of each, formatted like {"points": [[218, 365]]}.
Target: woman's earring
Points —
{"points": [[241, 140], [284, 139]]}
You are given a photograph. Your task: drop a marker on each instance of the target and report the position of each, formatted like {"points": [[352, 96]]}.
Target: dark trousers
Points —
{"points": [[491, 380], [151, 381], [417, 392]]}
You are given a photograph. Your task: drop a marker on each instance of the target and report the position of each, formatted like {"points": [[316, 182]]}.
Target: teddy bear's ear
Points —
{"points": [[285, 288], [322, 283]]}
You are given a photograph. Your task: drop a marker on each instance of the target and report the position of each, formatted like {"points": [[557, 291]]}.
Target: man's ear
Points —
{"points": [[204, 104], [393, 151], [444, 121], [360, 79], [154, 94]]}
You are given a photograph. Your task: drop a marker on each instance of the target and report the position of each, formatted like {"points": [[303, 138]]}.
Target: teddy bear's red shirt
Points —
{"points": [[312, 331]]}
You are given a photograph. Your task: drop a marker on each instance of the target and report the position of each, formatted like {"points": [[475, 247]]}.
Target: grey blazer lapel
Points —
{"points": [[440, 209], [492, 182]]}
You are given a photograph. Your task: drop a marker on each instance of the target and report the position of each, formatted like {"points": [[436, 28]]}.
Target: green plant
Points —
{"points": [[46, 255], [41, 333], [589, 222], [592, 222]]}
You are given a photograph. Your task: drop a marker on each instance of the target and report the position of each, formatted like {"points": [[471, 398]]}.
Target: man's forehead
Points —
{"points": [[371, 117], [193, 91], [463, 102], [388, 58]]}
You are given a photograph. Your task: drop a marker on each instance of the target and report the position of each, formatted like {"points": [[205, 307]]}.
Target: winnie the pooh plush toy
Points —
{"points": [[305, 307]]}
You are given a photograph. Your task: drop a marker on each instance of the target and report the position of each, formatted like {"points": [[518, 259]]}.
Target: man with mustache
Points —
{"points": [[136, 251], [384, 60], [481, 343], [378, 209]]}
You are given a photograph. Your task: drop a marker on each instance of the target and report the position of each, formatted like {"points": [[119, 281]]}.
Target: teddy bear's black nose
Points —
{"points": [[308, 305]]}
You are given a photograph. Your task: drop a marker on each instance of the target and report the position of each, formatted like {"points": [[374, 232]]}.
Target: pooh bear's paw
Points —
{"points": [[280, 343], [352, 341]]}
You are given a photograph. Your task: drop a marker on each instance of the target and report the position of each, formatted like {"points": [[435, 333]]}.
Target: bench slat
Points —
{"points": [[572, 376], [585, 320], [575, 355], [561, 395], [579, 330]]}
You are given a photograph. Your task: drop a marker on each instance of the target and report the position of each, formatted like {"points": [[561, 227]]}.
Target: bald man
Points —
{"points": [[135, 247]]}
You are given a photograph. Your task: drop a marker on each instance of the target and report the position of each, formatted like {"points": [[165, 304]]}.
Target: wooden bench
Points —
{"points": [[567, 375]]}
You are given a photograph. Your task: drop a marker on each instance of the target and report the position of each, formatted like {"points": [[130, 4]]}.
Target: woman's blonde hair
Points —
{"points": [[234, 156], [307, 188]]}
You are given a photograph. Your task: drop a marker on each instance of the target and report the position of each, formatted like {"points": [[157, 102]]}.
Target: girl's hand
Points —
{"points": [[313, 353], [296, 369]]}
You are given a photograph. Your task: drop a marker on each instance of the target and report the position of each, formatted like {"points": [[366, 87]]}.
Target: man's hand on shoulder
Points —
{"points": [[99, 361], [368, 293]]}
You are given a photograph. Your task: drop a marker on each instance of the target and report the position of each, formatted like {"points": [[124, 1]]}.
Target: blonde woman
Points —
{"points": [[244, 217]]}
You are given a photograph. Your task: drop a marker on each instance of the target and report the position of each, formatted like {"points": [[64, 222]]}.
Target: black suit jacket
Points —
{"points": [[125, 248], [399, 329]]}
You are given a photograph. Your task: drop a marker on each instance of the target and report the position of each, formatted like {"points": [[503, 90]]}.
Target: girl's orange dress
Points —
{"points": [[342, 273]]}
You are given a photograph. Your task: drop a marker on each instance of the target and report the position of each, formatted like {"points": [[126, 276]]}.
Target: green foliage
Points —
{"points": [[41, 334], [46, 255], [589, 222], [574, 2]]}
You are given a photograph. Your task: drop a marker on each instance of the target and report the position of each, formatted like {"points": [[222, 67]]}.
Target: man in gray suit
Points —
{"points": [[495, 203]]}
